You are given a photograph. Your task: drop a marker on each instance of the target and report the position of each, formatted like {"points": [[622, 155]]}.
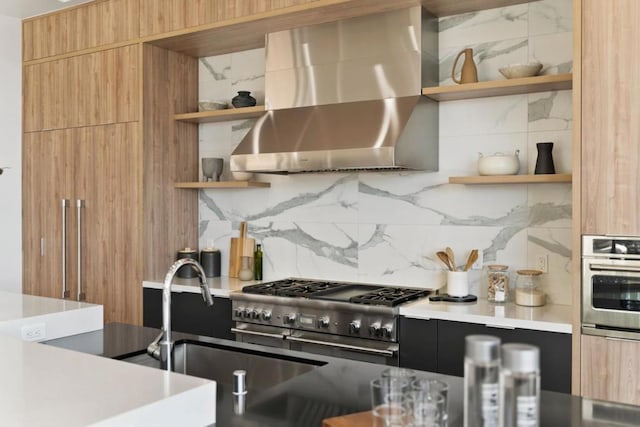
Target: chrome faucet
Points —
{"points": [[162, 347]]}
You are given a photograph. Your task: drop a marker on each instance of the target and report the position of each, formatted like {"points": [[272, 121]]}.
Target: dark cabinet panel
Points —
{"points": [[418, 341], [189, 314], [555, 350]]}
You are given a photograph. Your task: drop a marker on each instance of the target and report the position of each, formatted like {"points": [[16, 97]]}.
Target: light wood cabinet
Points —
{"points": [[610, 110], [610, 369], [98, 167], [87, 26], [94, 89]]}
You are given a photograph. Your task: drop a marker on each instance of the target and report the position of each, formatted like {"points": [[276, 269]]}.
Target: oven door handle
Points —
{"points": [[260, 334], [620, 268], [389, 353]]}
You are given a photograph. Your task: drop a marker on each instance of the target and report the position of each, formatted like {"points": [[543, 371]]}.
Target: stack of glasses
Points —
{"points": [[399, 399]]}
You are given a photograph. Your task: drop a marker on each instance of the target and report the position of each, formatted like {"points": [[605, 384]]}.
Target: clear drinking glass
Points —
{"points": [[425, 408], [408, 375], [429, 388], [389, 402]]}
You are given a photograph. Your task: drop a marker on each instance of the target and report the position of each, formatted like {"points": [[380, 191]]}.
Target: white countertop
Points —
{"points": [[219, 286], [43, 385], [35, 318], [550, 317]]}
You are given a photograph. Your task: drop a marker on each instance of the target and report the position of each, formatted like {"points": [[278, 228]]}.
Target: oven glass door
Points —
{"points": [[612, 291]]}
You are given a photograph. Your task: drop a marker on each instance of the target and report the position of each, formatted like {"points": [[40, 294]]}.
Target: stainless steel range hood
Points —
{"points": [[346, 96]]}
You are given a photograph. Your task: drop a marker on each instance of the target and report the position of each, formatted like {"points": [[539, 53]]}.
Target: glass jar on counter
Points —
{"points": [[497, 283], [528, 289]]}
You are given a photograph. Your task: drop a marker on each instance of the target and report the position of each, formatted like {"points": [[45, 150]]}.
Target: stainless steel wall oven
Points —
{"points": [[611, 286]]}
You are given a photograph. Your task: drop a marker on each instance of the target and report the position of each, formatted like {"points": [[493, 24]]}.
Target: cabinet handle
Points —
{"points": [[340, 346], [622, 339], [500, 326], [63, 253], [79, 206]]}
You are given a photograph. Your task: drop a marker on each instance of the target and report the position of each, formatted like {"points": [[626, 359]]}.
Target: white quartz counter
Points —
{"points": [[35, 318], [43, 385], [550, 317], [219, 286]]}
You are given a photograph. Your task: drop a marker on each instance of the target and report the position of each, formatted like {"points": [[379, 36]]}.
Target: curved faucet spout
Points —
{"points": [[162, 347]]}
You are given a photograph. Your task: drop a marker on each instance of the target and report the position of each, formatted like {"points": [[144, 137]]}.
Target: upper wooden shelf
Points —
{"points": [[500, 87], [221, 115], [248, 32], [511, 179], [223, 184]]}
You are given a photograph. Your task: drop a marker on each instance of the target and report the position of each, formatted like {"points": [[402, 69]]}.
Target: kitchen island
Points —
{"points": [[332, 387]]}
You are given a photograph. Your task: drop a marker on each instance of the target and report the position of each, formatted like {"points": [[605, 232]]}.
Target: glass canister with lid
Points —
{"points": [[497, 283], [528, 289]]}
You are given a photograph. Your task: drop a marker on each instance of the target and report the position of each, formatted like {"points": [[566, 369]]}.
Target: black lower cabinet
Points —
{"points": [[189, 313], [418, 340], [555, 350]]}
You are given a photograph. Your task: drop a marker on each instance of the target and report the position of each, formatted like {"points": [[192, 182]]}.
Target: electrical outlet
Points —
{"points": [[542, 263], [478, 264], [34, 332]]}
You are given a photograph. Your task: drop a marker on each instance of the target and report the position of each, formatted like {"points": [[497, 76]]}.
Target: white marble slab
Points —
{"points": [[550, 317], [43, 385], [34, 318]]}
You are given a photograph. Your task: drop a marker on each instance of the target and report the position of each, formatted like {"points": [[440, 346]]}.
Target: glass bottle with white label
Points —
{"points": [[520, 386], [481, 381]]}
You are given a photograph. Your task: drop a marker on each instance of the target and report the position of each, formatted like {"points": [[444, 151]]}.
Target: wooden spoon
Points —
{"points": [[452, 259], [445, 259], [473, 257]]}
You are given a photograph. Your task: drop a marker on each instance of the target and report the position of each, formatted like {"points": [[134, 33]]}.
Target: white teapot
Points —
{"points": [[499, 164]]}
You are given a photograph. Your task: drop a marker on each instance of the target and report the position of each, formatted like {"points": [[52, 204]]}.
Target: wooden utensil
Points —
{"points": [[240, 246], [473, 257], [452, 258], [445, 259]]}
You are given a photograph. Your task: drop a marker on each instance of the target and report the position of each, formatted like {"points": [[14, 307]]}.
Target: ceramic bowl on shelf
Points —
{"points": [[241, 176], [499, 164], [517, 71], [212, 105]]}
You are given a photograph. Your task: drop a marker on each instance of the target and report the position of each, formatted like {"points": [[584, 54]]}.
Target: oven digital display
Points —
{"points": [[306, 320]]}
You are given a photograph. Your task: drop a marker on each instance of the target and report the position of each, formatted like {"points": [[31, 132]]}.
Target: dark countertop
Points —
{"points": [[337, 387]]}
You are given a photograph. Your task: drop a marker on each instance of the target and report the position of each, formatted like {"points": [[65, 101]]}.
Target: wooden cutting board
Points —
{"points": [[240, 246], [359, 419]]}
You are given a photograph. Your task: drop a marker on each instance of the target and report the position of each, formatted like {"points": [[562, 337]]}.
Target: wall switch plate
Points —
{"points": [[478, 264], [34, 332], [542, 263]]}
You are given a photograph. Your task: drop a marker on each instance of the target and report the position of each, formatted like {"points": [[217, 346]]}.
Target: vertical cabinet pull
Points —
{"points": [[79, 206], [63, 205]]}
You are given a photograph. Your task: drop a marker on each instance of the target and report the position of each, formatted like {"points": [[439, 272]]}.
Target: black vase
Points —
{"points": [[544, 163], [243, 99]]}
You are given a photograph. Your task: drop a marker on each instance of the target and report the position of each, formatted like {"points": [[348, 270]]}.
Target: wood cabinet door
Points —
{"points": [[94, 89], [86, 26], [611, 369], [47, 181], [108, 185], [610, 112]]}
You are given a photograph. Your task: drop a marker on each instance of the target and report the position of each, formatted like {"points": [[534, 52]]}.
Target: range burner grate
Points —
{"points": [[389, 296], [306, 290], [275, 288]]}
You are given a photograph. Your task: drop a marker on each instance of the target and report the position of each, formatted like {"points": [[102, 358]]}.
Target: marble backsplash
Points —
{"points": [[386, 227]]}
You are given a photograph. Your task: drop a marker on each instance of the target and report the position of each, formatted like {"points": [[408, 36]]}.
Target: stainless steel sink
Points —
{"points": [[216, 362]]}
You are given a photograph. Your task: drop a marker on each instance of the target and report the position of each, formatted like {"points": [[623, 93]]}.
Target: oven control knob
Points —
{"points": [[266, 315], [387, 330], [374, 329], [239, 312], [247, 313], [354, 327], [323, 322], [290, 318], [254, 314]]}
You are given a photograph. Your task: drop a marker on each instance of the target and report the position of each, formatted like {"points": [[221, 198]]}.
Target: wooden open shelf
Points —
{"points": [[500, 87], [223, 184], [221, 115], [511, 179]]}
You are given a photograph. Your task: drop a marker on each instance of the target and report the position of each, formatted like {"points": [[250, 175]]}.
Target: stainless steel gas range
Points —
{"points": [[350, 320]]}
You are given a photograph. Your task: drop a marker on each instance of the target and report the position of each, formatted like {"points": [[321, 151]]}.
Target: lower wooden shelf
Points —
{"points": [[223, 184], [511, 179]]}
